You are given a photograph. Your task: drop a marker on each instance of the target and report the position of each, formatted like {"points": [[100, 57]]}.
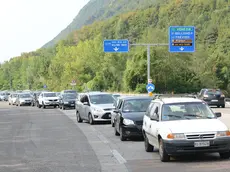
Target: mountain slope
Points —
{"points": [[99, 10]]}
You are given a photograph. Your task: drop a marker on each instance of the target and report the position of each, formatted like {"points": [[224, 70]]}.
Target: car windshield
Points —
{"points": [[50, 95], [183, 111], [25, 96], [212, 92], [136, 105], [70, 91], [102, 99], [69, 96]]}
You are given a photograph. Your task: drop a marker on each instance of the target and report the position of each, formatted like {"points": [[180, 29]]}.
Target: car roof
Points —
{"points": [[98, 93], [179, 100], [134, 97]]}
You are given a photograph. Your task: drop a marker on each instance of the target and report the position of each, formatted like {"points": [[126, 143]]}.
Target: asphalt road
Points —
{"points": [[35, 140]]}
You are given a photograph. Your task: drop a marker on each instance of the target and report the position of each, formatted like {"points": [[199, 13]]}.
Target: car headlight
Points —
{"points": [[128, 122], [222, 133], [98, 110], [176, 136]]}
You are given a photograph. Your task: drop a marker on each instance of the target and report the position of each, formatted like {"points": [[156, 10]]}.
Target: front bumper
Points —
{"points": [[70, 105], [132, 130], [26, 103], [51, 103], [179, 147], [106, 116]]}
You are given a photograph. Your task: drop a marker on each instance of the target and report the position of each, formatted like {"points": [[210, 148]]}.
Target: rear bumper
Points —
{"points": [[179, 147], [218, 102]]}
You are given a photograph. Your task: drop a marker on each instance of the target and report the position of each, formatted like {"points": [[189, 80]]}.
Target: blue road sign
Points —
{"points": [[182, 39], [116, 46], [150, 87], [45, 86]]}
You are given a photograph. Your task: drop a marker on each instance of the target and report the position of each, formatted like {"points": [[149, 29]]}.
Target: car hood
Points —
{"points": [[69, 100], [103, 106], [50, 98], [193, 126], [135, 116], [25, 98]]}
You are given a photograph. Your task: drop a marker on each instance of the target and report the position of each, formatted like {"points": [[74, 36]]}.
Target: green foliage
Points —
{"points": [[80, 57]]}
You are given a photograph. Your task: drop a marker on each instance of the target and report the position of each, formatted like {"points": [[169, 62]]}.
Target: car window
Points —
{"points": [[82, 99], [213, 92], [24, 95], [153, 109], [149, 109], [183, 111], [136, 105], [50, 95], [101, 99]]}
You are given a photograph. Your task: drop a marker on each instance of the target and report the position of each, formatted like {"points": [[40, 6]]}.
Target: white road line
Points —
{"points": [[118, 156], [11, 165]]}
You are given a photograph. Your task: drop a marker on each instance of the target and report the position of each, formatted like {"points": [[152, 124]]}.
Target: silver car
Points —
{"points": [[24, 99]]}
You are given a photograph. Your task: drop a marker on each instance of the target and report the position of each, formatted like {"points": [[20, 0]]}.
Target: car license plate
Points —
{"points": [[202, 144], [72, 104], [214, 100]]}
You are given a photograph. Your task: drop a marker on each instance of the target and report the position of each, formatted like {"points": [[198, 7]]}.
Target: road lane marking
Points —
{"points": [[102, 138], [11, 165], [118, 156]]}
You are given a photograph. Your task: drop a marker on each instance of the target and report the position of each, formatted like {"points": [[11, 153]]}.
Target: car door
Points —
{"points": [[81, 106], [117, 115], [147, 122], [154, 124], [87, 108]]}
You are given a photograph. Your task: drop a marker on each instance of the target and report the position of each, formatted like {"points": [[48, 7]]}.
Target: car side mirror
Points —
{"points": [[86, 103], [116, 111], [218, 114]]}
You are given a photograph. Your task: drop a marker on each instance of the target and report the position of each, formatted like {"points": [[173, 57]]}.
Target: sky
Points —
{"points": [[26, 25]]}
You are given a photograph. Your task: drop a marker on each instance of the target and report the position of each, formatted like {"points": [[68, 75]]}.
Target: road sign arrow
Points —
{"points": [[116, 49], [181, 48]]}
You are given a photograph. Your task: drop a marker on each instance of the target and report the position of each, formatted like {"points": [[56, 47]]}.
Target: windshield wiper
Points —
{"points": [[174, 116], [192, 115]]}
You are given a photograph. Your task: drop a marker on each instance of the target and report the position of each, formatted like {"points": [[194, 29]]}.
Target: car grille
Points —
{"points": [[53, 100], [108, 109], [71, 102], [200, 136], [139, 122], [106, 116]]}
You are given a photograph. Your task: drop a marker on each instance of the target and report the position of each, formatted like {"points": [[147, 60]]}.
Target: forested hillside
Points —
{"points": [[81, 56], [99, 10]]}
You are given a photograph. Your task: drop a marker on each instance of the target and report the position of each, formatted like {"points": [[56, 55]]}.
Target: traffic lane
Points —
{"points": [[33, 139], [225, 118], [136, 159]]}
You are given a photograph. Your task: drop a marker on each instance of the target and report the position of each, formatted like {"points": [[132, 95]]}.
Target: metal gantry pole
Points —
{"points": [[148, 62], [149, 55]]}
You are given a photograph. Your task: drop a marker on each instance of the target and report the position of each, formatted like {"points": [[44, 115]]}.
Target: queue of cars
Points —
{"points": [[175, 125]]}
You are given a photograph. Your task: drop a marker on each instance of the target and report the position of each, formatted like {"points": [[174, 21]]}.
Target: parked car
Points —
{"points": [[178, 126], [67, 100], [94, 106], [46, 99], [129, 116], [12, 99], [23, 99], [213, 97]]}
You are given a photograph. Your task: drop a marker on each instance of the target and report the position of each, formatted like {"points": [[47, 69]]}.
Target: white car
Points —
{"points": [[95, 106], [12, 99], [179, 126], [48, 99]]}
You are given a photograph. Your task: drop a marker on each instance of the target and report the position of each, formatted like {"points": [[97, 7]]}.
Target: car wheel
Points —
{"points": [[223, 106], [218, 106], [122, 137], [9, 104], [225, 155], [148, 147], [79, 120], [115, 132], [91, 119], [163, 155]]}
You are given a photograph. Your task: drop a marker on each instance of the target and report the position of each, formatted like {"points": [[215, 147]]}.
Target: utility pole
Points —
{"points": [[148, 54]]}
